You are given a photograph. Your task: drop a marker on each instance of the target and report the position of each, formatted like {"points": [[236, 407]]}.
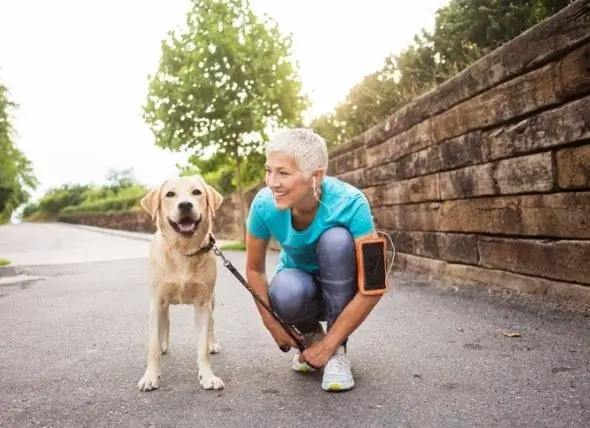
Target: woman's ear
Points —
{"points": [[317, 177], [151, 202]]}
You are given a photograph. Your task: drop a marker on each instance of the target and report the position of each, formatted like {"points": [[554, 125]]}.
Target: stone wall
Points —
{"points": [[134, 221], [486, 179]]}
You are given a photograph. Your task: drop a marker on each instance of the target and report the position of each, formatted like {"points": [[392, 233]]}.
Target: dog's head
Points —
{"points": [[182, 203]]}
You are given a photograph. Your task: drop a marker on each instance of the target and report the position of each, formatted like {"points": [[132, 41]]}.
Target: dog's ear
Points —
{"points": [[214, 198], [151, 202]]}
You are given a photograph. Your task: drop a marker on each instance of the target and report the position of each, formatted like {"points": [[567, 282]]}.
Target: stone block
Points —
{"points": [[573, 166], [421, 216], [561, 260], [419, 189], [526, 174], [453, 247], [553, 128], [558, 215]]}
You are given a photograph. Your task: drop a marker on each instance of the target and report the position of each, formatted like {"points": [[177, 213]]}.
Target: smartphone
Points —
{"points": [[372, 266]]}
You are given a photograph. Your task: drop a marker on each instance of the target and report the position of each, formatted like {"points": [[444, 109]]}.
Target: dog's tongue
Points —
{"points": [[186, 226]]}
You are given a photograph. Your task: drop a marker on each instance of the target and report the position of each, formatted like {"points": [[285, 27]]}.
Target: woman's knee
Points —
{"points": [[292, 294], [336, 247]]}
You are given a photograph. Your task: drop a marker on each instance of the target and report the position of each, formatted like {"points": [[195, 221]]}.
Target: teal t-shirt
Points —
{"points": [[342, 205]]}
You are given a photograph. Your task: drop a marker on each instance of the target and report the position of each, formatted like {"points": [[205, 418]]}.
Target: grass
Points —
{"points": [[4, 262], [234, 246]]}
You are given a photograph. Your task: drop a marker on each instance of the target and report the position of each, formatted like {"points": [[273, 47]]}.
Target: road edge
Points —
{"points": [[9, 270], [141, 236], [115, 232]]}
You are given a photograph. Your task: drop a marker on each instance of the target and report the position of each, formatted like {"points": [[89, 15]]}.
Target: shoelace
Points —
{"points": [[336, 363]]}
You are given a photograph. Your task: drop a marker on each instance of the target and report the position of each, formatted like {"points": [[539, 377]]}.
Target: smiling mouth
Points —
{"points": [[278, 195], [186, 225]]}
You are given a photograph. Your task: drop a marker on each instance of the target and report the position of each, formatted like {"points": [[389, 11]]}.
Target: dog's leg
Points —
{"points": [[214, 346], [150, 379], [165, 329], [207, 379]]}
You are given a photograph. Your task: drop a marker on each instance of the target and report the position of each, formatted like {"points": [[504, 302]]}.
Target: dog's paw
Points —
{"points": [[211, 382], [214, 348], [148, 383]]}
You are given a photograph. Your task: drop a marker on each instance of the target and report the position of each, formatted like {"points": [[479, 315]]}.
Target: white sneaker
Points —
{"points": [[338, 373], [309, 339]]}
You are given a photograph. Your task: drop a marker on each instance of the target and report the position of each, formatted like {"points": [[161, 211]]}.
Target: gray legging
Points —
{"points": [[304, 299]]}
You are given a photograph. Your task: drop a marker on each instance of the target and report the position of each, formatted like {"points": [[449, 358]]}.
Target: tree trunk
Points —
{"points": [[241, 205]]}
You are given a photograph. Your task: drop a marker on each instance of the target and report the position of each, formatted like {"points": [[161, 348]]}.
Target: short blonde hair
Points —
{"points": [[307, 147]]}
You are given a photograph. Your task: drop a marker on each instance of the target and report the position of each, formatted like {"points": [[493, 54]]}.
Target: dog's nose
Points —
{"points": [[183, 206]]}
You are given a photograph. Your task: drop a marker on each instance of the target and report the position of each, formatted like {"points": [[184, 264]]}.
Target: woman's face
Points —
{"points": [[287, 182]]}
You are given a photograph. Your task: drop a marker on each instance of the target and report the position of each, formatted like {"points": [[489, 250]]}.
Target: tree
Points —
{"points": [[17, 179], [121, 179], [223, 83], [220, 172]]}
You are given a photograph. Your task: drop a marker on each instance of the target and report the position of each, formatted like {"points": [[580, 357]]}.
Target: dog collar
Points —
{"points": [[204, 249]]}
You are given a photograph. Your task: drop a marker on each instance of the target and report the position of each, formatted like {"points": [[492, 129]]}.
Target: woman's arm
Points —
{"points": [[361, 226], [256, 272], [353, 314], [256, 277]]}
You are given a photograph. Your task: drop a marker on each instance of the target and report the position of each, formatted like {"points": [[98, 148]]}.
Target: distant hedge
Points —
{"points": [[106, 205]]}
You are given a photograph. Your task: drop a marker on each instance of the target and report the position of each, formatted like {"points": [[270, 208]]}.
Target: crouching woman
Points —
{"points": [[316, 219]]}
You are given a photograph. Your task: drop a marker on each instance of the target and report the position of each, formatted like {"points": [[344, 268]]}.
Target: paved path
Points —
{"points": [[74, 344]]}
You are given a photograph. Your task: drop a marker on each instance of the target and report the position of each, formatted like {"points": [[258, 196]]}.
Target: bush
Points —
{"points": [[122, 194], [103, 206]]}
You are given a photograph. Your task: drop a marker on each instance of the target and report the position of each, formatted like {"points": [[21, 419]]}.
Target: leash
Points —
{"points": [[289, 329]]}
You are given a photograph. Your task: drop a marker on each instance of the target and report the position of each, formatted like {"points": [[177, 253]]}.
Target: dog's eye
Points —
{"points": [[170, 194], [197, 192]]}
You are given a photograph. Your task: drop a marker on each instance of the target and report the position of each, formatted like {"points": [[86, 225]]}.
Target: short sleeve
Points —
{"points": [[361, 218], [255, 224]]}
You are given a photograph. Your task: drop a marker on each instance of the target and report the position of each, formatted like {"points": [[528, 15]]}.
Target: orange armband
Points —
{"points": [[371, 266]]}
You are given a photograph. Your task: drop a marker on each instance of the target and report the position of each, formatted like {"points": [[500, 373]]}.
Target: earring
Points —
{"points": [[315, 192]]}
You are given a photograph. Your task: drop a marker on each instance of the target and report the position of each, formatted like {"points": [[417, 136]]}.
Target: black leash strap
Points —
{"points": [[289, 329]]}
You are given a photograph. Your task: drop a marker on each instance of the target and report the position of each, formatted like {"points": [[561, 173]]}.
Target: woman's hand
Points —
{"points": [[318, 354], [280, 336]]}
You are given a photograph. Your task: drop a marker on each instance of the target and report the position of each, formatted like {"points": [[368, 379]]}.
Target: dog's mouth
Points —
{"points": [[186, 225]]}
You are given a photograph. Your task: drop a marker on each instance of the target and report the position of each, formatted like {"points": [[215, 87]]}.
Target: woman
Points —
{"points": [[316, 220]]}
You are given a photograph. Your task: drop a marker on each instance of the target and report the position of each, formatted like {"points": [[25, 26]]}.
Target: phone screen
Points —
{"points": [[374, 266]]}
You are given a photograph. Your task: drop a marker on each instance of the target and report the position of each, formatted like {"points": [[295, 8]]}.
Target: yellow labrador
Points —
{"points": [[183, 270]]}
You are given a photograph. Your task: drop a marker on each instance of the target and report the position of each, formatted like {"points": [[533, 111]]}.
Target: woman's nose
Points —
{"points": [[273, 180]]}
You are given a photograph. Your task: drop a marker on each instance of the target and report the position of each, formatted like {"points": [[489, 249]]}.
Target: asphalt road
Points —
{"points": [[73, 346]]}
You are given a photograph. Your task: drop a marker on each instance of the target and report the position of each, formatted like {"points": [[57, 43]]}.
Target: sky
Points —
{"points": [[79, 72]]}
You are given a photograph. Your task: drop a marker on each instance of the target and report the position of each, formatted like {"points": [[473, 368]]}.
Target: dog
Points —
{"points": [[182, 270]]}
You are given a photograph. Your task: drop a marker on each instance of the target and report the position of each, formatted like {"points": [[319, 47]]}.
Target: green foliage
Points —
{"points": [[122, 193], [220, 172], [121, 179], [4, 262], [17, 179], [59, 198], [234, 246], [464, 31], [119, 203]]}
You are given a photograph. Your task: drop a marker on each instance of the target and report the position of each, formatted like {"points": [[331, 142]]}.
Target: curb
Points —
{"points": [[19, 279], [115, 232], [9, 270], [141, 236]]}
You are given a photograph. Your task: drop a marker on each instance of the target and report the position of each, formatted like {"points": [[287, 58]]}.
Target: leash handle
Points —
{"points": [[288, 328]]}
